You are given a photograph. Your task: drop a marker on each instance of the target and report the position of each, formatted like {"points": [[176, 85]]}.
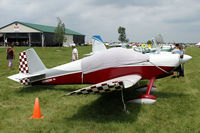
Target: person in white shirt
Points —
{"points": [[74, 52]]}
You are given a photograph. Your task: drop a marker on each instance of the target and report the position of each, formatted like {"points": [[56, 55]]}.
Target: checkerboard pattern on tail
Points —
{"points": [[23, 63], [99, 88], [23, 67]]}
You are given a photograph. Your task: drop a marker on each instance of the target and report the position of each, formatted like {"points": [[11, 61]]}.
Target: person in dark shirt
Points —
{"points": [[183, 51], [10, 55]]}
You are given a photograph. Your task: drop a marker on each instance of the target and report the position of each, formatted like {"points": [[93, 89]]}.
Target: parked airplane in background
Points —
{"points": [[98, 46], [198, 44], [114, 44], [146, 49]]}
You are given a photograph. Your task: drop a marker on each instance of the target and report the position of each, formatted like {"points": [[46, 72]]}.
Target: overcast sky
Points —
{"points": [[176, 20]]}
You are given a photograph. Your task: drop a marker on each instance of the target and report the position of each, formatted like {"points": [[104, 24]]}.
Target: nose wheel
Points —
{"points": [[146, 98]]}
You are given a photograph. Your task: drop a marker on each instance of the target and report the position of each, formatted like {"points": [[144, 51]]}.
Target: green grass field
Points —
{"points": [[177, 108]]}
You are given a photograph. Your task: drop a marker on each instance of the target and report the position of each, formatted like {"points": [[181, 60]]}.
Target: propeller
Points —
{"points": [[157, 41]]}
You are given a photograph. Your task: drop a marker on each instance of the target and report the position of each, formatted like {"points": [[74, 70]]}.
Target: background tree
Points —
{"points": [[122, 34], [149, 42], [59, 36]]}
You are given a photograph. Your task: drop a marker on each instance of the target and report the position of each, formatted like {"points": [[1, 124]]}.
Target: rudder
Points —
{"points": [[30, 62], [97, 44]]}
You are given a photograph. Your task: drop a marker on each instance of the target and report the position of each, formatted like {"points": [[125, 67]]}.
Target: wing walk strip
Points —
{"points": [[99, 88], [110, 85]]}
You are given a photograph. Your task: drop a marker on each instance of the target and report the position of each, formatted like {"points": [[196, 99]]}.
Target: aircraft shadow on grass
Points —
{"points": [[32, 89], [107, 108], [169, 95]]}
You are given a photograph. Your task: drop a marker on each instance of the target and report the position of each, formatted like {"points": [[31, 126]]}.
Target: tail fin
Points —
{"points": [[30, 62], [97, 44], [31, 68]]}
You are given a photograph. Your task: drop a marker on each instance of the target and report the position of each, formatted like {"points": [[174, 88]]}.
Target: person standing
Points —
{"points": [[183, 51], [6, 42], [176, 50], [178, 69], [74, 52], [10, 55]]}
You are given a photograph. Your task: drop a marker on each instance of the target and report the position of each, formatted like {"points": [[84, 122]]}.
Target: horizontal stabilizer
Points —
{"points": [[18, 77], [31, 68]]}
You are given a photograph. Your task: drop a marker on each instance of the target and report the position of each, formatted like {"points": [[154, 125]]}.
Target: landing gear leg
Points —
{"points": [[146, 98], [151, 82]]}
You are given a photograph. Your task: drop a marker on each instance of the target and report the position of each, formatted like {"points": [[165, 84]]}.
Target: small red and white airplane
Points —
{"points": [[198, 44], [109, 70]]}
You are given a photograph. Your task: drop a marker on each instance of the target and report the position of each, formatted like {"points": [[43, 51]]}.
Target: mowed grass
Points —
{"points": [[177, 108]]}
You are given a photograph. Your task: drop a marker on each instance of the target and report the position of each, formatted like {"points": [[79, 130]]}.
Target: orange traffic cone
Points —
{"points": [[36, 111], [43, 48]]}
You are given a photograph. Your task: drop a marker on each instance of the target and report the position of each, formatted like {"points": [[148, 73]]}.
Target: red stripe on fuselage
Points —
{"points": [[74, 78], [146, 72]]}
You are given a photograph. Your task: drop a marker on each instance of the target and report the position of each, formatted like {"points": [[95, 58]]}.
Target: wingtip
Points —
{"points": [[66, 94]]}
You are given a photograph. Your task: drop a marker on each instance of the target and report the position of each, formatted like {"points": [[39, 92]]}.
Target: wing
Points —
{"points": [[109, 85]]}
